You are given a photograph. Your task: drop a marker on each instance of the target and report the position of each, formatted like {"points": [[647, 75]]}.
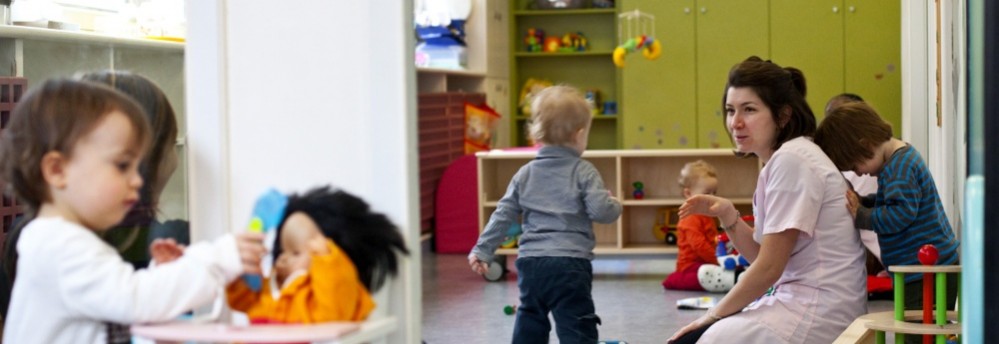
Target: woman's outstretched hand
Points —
{"points": [[705, 205]]}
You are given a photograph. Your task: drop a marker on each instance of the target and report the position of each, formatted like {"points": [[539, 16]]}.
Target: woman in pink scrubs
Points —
{"points": [[804, 245]]}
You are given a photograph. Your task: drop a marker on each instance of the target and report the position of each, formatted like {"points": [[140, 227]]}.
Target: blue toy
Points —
{"points": [[267, 214], [512, 235]]}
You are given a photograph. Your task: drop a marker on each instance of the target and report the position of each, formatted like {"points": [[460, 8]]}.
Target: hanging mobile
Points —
{"points": [[639, 27]]}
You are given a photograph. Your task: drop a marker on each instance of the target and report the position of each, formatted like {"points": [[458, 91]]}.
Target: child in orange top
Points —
{"points": [[333, 253], [696, 234]]}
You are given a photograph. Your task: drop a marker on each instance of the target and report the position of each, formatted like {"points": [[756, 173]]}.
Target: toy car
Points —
{"points": [[665, 227]]}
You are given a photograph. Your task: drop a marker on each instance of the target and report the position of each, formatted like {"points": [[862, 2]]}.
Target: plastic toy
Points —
{"points": [[572, 42], [552, 44], [267, 214], [928, 255], [638, 193], [665, 227], [531, 87], [509, 309], [533, 39], [636, 25], [512, 236], [728, 257]]}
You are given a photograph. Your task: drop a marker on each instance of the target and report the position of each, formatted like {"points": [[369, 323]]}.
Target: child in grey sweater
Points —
{"points": [[557, 196]]}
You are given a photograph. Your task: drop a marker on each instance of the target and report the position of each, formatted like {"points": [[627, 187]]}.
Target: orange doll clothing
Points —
{"points": [[329, 291]]}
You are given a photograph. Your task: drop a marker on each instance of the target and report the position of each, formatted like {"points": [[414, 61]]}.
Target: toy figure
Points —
{"points": [[552, 44], [533, 39], [638, 193], [332, 253]]}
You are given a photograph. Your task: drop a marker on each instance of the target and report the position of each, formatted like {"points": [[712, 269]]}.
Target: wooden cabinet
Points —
{"points": [[658, 170], [843, 46], [675, 101], [590, 69]]}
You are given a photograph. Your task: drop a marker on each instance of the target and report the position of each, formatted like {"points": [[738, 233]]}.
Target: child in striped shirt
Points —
{"points": [[906, 212]]}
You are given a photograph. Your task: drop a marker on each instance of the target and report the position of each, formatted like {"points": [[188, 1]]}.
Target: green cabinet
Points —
{"points": [[659, 95], [675, 101], [842, 46], [590, 69]]}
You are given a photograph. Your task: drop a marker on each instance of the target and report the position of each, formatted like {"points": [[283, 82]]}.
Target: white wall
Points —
{"points": [[299, 94], [940, 141]]}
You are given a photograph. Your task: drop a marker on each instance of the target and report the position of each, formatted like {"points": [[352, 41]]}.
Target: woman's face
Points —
{"points": [[750, 122]]}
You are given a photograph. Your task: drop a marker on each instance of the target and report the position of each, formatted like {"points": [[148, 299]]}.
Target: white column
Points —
{"points": [[301, 94]]}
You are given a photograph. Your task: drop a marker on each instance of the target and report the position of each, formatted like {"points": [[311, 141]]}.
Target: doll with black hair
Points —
{"points": [[331, 253]]}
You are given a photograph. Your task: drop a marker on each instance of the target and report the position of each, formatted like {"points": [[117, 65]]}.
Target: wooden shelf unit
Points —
{"points": [[658, 170]]}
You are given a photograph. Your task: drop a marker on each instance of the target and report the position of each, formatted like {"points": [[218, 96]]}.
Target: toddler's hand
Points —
{"points": [[317, 246], [165, 250], [251, 249], [480, 267], [852, 202]]}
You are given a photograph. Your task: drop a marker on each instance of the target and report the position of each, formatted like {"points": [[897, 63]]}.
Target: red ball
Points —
{"points": [[928, 255]]}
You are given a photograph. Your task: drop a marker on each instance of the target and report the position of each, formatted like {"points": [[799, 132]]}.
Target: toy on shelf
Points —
{"points": [[531, 87], [573, 42], [480, 123], [638, 193], [639, 27], [533, 40], [267, 215], [665, 227], [552, 44], [593, 98]]}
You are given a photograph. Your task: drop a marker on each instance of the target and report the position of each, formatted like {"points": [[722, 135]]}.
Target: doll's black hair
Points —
{"points": [[369, 239]]}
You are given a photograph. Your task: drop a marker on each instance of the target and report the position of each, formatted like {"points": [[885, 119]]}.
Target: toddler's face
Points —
{"points": [[296, 255], [101, 179], [705, 186]]}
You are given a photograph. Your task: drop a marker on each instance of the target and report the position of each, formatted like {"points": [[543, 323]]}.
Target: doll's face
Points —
{"points": [[296, 233]]}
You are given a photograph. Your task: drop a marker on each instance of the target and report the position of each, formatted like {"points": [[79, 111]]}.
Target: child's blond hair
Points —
{"points": [[694, 171], [558, 112]]}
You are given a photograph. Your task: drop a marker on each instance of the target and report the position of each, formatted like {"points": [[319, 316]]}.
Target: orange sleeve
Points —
{"points": [[337, 292], [702, 238], [240, 296]]}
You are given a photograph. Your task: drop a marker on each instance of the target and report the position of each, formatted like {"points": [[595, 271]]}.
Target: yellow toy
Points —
{"points": [[531, 87], [636, 21]]}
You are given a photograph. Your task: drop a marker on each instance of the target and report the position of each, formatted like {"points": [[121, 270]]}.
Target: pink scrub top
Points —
{"points": [[823, 287]]}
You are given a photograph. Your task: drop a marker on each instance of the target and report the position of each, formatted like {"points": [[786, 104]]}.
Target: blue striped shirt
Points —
{"points": [[908, 214]]}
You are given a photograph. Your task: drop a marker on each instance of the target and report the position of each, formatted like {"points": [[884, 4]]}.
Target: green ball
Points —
{"points": [[508, 310]]}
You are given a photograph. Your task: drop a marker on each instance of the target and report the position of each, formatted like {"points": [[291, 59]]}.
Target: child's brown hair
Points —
{"points": [[694, 171], [54, 117], [558, 112], [850, 133]]}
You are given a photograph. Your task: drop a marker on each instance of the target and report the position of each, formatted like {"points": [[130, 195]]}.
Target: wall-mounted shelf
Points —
{"points": [[24, 32]]}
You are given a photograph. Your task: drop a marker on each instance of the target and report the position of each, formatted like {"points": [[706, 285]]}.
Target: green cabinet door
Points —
{"points": [[727, 33], [659, 95], [808, 35], [873, 56]]}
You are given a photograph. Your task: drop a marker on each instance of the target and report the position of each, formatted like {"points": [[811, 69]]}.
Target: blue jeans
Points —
{"points": [[562, 286]]}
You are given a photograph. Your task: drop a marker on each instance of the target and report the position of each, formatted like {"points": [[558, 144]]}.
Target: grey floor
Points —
{"points": [[459, 306]]}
